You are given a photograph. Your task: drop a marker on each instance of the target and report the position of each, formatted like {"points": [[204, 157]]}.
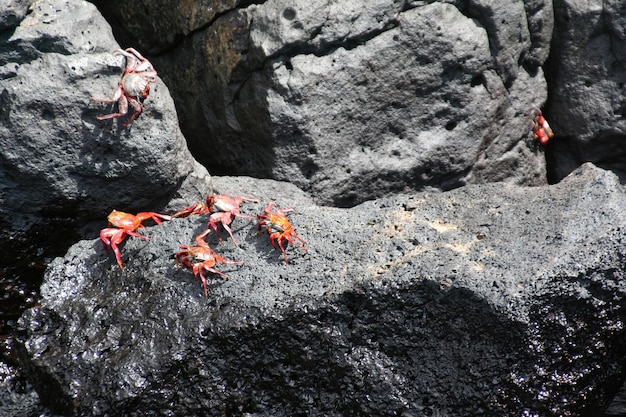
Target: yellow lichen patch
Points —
{"points": [[380, 269], [478, 267], [403, 217], [460, 247], [463, 247], [443, 227], [398, 220]]}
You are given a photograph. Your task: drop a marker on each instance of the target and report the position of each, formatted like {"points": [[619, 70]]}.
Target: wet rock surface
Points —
{"points": [[486, 300], [60, 168]]}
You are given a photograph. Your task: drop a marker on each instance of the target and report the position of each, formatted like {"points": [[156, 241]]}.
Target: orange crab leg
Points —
{"points": [[274, 237], [198, 208], [138, 62], [136, 105], [112, 237], [300, 245], [122, 108], [116, 96], [225, 218], [198, 270], [145, 215]]}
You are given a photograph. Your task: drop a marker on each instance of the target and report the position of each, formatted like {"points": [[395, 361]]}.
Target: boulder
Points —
{"points": [[484, 300], [587, 75], [59, 166], [55, 155], [354, 100]]}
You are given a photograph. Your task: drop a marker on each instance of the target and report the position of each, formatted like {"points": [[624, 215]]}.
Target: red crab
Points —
{"points": [[279, 228], [134, 87], [200, 259], [125, 224], [223, 209], [541, 129]]}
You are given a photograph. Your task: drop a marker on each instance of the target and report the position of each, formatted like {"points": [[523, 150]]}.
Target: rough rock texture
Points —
{"points": [[59, 166], [55, 155], [352, 100], [485, 300], [12, 12], [587, 73]]}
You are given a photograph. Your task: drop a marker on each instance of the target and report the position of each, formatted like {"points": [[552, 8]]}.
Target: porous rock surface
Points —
{"points": [[352, 100], [484, 300], [55, 157], [59, 166]]}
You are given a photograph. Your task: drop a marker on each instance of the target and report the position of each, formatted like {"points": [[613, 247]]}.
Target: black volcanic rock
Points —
{"points": [[494, 300], [587, 75], [486, 300]]}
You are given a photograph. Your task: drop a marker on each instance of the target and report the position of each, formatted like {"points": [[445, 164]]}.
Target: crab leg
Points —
{"points": [[122, 109], [111, 237], [137, 106], [116, 96]]}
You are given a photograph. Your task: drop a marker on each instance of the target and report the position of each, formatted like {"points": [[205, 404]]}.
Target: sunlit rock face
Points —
{"points": [[355, 100]]}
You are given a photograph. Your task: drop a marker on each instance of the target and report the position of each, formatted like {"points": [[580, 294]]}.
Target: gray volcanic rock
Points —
{"points": [[59, 166], [12, 12], [485, 300], [55, 157], [354, 100], [587, 72]]}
